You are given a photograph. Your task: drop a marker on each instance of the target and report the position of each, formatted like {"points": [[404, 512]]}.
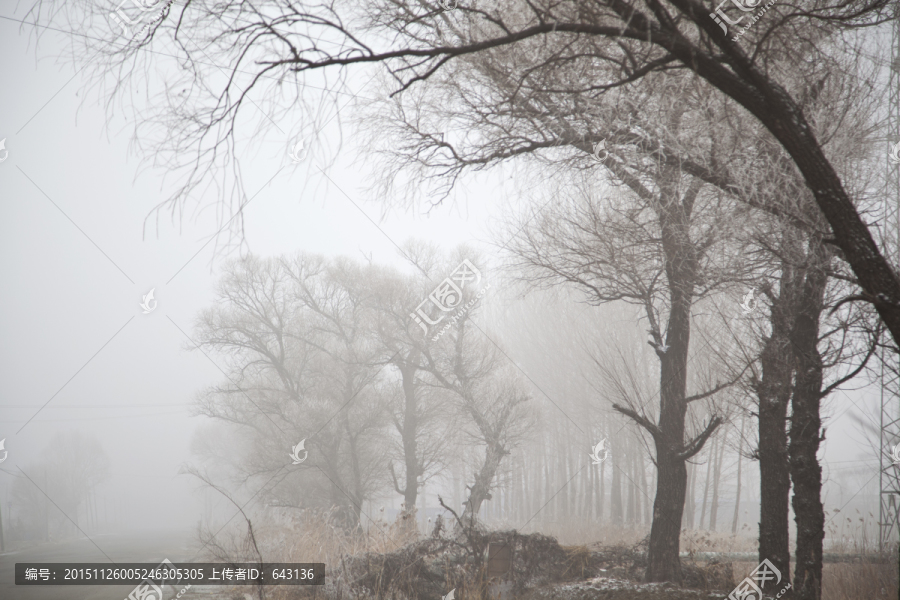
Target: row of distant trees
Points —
{"points": [[55, 495], [405, 415]]}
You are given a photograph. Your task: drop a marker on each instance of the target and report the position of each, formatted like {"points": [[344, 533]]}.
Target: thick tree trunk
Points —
{"points": [[806, 473], [774, 392], [481, 488], [681, 263], [665, 532]]}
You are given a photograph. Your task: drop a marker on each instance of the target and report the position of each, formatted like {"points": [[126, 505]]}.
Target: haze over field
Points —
{"points": [[513, 297]]}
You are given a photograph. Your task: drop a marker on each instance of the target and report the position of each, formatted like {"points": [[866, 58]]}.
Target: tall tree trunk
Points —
{"points": [[408, 429], [353, 504], [457, 478], [672, 450], [714, 510], [615, 495], [665, 532], [737, 497], [774, 391], [481, 487], [519, 487], [560, 487], [644, 497], [423, 512], [806, 474], [589, 500], [550, 513], [602, 493], [689, 508], [629, 506], [709, 466]]}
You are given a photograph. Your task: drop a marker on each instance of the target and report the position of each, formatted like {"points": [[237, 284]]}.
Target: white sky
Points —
{"points": [[65, 294]]}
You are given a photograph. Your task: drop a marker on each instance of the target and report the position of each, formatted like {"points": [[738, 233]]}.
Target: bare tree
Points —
{"points": [[422, 415], [653, 248], [611, 44], [301, 365], [488, 393]]}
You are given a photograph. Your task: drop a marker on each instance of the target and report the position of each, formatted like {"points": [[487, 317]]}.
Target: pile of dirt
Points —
{"points": [[540, 568]]}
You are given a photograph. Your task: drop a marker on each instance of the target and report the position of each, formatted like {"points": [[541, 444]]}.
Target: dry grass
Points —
{"points": [[591, 534], [307, 536], [314, 537], [712, 541], [851, 534], [849, 581], [872, 581]]}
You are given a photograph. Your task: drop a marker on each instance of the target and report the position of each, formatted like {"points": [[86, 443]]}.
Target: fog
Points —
{"points": [[84, 366], [69, 294]]}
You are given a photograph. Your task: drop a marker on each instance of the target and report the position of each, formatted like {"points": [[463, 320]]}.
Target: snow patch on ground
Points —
{"points": [[609, 588]]}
